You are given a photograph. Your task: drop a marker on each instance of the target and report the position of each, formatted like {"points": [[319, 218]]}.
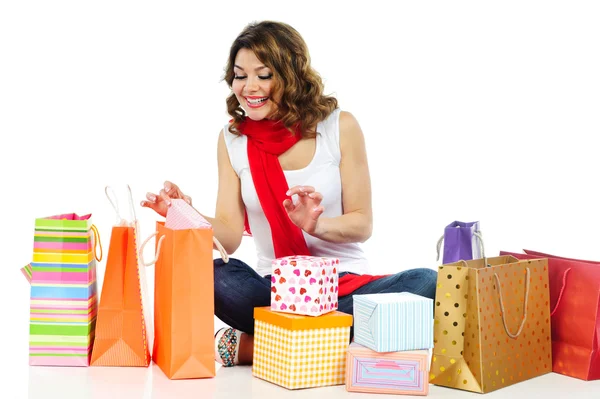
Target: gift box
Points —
{"points": [[402, 373], [296, 351], [304, 285], [393, 322]]}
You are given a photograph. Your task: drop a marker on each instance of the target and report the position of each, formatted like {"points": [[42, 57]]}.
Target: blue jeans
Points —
{"points": [[239, 289]]}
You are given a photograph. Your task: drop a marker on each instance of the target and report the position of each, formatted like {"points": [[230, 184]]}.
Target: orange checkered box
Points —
{"points": [[296, 351]]}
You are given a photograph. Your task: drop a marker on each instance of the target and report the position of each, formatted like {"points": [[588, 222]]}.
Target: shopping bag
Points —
{"points": [[492, 323], [575, 314], [184, 294], [461, 241], [124, 327], [63, 290]]}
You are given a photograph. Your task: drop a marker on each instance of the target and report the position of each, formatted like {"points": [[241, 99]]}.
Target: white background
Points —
{"points": [[470, 110]]}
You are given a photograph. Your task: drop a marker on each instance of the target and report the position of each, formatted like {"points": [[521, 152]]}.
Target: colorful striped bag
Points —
{"points": [[63, 290]]}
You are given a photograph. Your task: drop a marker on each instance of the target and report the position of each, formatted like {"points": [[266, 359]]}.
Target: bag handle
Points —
{"points": [[141, 254], [131, 206], [562, 290], [97, 243], [524, 307], [217, 243], [112, 198], [439, 247], [481, 247], [222, 251], [114, 202]]}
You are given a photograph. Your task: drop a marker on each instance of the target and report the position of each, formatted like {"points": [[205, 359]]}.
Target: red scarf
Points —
{"points": [[267, 140]]}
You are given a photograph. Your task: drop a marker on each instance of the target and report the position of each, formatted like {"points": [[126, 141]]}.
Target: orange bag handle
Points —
{"points": [[562, 290], [97, 243], [524, 308]]}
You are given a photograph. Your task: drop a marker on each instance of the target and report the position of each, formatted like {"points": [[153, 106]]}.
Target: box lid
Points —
{"points": [[299, 322], [393, 297], [358, 349]]}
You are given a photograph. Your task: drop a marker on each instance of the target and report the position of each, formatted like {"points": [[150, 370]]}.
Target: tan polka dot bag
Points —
{"points": [[492, 323]]}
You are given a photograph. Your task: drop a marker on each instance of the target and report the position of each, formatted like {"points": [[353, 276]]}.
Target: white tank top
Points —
{"points": [[323, 173]]}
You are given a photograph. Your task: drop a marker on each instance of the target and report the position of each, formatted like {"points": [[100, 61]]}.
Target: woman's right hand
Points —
{"points": [[160, 202]]}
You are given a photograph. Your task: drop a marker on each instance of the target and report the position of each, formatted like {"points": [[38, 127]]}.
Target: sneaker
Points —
{"points": [[227, 342]]}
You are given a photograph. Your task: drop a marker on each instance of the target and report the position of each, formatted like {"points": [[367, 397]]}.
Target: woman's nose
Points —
{"points": [[251, 84]]}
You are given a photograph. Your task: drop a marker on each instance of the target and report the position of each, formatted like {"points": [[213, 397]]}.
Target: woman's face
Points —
{"points": [[252, 85]]}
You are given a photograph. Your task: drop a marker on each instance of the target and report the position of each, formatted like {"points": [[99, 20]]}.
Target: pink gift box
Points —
{"points": [[181, 216], [305, 285], [400, 373]]}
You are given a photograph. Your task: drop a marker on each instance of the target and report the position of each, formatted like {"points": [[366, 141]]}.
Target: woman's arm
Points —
{"points": [[356, 223], [228, 223]]}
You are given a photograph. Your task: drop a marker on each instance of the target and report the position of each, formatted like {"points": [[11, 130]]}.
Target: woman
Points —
{"points": [[293, 170]]}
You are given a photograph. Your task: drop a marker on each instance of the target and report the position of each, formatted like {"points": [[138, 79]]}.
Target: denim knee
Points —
{"points": [[223, 275], [422, 281]]}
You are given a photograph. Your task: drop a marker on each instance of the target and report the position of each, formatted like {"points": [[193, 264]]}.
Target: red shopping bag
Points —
{"points": [[575, 314]]}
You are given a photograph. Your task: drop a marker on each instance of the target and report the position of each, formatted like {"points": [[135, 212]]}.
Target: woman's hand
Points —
{"points": [[160, 202], [306, 212]]}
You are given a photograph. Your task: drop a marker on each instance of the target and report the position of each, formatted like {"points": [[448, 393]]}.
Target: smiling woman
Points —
{"points": [[253, 89], [292, 95], [284, 160]]}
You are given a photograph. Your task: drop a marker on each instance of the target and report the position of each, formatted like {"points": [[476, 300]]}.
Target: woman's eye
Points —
{"points": [[267, 77], [239, 77]]}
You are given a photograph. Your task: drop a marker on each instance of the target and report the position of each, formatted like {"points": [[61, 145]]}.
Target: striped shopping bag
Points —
{"points": [[63, 290]]}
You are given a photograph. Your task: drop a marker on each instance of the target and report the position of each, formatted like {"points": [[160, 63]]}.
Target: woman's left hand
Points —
{"points": [[305, 213]]}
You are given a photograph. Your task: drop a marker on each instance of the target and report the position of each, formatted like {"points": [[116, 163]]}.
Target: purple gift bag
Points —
{"points": [[462, 241]]}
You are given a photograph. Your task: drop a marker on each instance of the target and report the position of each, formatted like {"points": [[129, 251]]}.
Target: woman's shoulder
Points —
{"points": [[337, 130], [347, 121], [339, 120], [236, 148], [231, 138]]}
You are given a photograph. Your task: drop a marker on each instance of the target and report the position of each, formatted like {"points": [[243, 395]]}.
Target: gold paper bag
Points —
{"points": [[492, 324]]}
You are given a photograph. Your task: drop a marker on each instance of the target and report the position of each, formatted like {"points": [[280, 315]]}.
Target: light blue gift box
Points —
{"points": [[393, 322]]}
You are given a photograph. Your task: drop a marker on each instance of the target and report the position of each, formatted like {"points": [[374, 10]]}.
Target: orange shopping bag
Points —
{"points": [[184, 296], [124, 324]]}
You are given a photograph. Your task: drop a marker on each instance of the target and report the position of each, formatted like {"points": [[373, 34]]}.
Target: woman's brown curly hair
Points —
{"points": [[281, 48]]}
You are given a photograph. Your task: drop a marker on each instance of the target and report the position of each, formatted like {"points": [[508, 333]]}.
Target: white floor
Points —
{"points": [[237, 382], [19, 381]]}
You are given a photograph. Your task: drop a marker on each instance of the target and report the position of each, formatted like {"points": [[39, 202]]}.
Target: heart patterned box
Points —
{"points": [[304, 285]]}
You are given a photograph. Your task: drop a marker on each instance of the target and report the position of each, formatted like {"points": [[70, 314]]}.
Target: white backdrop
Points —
{"points": [[470, 110]]}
